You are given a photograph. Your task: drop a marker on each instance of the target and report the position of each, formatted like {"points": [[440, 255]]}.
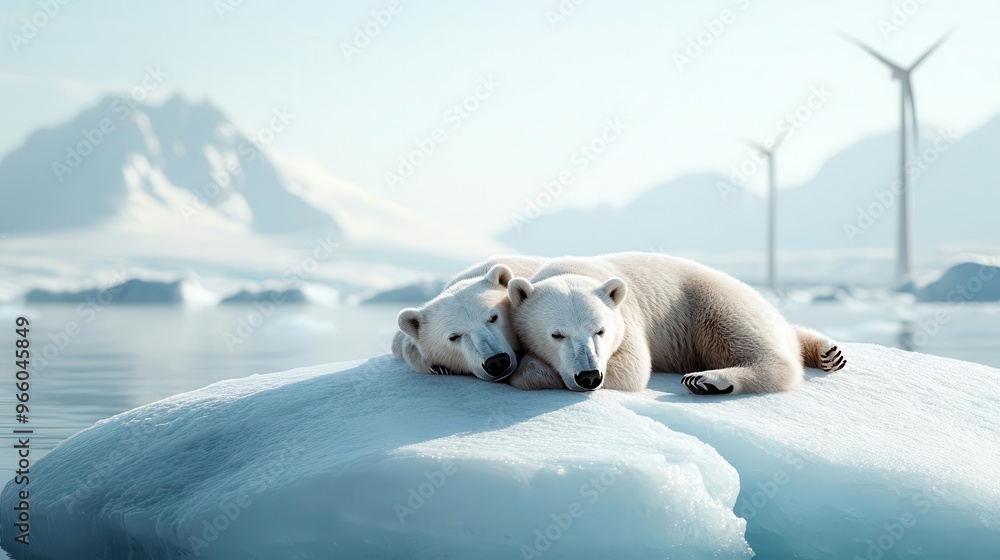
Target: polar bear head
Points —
{"points": [[467, 328], [572, 322]]}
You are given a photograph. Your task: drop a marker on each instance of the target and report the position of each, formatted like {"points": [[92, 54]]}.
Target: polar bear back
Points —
{"points": [[522, 266], [690, 315]]}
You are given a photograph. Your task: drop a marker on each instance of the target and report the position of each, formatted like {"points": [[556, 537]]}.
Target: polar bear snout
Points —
{"points": [[498, 366], [589, 380]]}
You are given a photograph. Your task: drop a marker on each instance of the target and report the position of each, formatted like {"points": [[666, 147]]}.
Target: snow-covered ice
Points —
{"points": [[894, 457]]}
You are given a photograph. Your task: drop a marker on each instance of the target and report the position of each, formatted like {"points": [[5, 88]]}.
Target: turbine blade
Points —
{"points": [[779, 140], [759, 147], [928, 52], [908, 89], [872, 52]]}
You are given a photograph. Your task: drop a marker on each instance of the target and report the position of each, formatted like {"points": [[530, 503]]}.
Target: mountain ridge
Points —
{"points": [[847, 206], [177, 188]]}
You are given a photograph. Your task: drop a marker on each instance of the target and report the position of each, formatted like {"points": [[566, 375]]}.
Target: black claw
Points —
{"points": [[827, 353], [713, 390], [697, 386], [688, 381]]}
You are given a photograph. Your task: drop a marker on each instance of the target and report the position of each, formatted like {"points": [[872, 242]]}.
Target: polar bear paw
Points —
{"points": [[831, 358], [707, 383]]}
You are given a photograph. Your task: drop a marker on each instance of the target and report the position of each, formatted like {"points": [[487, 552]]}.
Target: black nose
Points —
{"points": [[496, 364], [590, 379]]}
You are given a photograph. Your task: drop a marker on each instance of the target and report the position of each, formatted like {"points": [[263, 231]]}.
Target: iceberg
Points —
{"points": [[963, 282], [894, 457], [415, 293], [291, 295], [134, 291]]}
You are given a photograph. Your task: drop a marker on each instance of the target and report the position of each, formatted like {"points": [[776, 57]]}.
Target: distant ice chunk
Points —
{"points": [[825, 294], [418, 292], [130, 291], [967, 281], [291, 295]]}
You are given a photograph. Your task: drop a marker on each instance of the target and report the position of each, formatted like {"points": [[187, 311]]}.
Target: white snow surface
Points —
{"points": [[894, 457]]}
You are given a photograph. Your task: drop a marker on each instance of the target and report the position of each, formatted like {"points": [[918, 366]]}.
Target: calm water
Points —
{"points": [[122, 358]]}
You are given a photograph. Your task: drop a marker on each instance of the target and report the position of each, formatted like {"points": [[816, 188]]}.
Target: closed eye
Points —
{"points": [[454, 337], [557, 336]]}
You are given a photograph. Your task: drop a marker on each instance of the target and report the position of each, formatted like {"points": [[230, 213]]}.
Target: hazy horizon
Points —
{"points": [[547, 84]]}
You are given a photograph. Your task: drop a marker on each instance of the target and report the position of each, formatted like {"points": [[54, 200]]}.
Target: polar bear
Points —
{"points": [[611, 320], [466, 329]]}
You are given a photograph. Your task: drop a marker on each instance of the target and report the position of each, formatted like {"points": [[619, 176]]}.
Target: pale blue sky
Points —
{"points": [[556, 87]]}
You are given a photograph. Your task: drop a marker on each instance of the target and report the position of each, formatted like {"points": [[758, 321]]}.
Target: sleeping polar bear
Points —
{"points": [[611, 320], [466, 329]]}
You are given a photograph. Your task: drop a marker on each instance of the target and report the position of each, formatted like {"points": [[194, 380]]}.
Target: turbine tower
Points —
{"points": [[904, 239], [772, 209]]}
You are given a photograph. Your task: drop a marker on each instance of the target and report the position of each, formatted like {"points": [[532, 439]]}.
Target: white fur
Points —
{"points": [[657, 313], [457, 331]]}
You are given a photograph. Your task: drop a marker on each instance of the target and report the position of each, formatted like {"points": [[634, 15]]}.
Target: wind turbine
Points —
{"points": [[772, 208], [904, 240]]}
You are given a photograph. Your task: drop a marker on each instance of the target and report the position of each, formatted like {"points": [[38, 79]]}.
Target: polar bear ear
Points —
{"points": [[499, 275], [614, 290], [410, 320], [518, 290]]}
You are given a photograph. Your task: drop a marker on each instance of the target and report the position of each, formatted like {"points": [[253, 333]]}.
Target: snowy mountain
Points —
{"points": [[847, 210], [956, 192], [114, 165], [688, 213], [177, 189]]}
